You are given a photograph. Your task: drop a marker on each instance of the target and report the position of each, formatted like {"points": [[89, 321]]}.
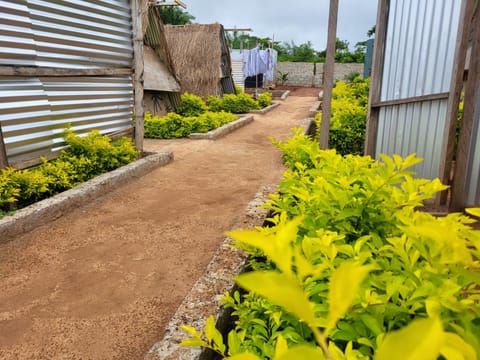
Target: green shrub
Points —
{"points": [[215, 103], [238, 89], [353, 270], [191, 105], [169, 126], [348, 117], [264, 99], [175, 126], [86, 157], [237, 104]]}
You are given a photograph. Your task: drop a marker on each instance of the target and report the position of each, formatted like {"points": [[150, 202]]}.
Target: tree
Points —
{"points": [[173, 15]]}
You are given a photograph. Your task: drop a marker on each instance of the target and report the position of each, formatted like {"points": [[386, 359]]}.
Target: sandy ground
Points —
{"points": [[102, 281]]}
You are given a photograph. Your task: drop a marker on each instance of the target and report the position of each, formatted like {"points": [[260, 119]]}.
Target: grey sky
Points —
{"points": [[297, 20]]}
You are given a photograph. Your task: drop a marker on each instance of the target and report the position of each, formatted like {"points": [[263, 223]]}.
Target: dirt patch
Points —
{"points": [[300, 90], [102, 281]]}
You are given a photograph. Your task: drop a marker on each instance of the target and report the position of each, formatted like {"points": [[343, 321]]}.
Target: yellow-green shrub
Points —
{"points": [[237, 104], [86, 157], [348, 116], [191, 105], [264, 99], [175, 126]]}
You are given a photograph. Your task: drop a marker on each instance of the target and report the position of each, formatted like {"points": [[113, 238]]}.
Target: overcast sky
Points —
{"points": [[297, 20]]}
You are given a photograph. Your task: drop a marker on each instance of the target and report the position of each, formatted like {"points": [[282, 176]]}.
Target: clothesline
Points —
{"points": [[256, 61]]}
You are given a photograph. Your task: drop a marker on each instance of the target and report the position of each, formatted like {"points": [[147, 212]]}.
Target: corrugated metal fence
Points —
{"points": [[416, 78], [40, 40]]}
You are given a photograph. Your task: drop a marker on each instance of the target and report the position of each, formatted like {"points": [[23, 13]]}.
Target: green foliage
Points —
{"points": [[173, 125], [191, 105], [283, 77], [348, 116], [237, 104], [86, 157], [173, 15], [351, 259], [264, 99], [238, 89]]}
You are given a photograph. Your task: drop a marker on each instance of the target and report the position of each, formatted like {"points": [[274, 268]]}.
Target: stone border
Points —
{"points": [[285, 95], [266, 109], [202, 300], [315, 108], [223, 130], [43, 212]]}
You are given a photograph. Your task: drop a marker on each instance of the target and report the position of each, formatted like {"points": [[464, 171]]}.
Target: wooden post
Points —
{"points": [[3, 152], [329, 74], [138, 68], [456, 85], [376, 76], [470, 113]]}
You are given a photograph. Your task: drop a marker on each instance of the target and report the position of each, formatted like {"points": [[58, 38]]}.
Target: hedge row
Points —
{"points": [[85, 158]]}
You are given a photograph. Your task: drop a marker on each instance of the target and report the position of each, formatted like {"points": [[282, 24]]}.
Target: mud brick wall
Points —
{"points": [[310, 74]]}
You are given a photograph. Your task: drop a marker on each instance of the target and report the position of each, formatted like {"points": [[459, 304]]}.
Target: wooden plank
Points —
{"points": [[414, 99], [456, 85], [32, 71], [3, 152], [138, 69], [376, 77], [329, 74], [472, 93]]}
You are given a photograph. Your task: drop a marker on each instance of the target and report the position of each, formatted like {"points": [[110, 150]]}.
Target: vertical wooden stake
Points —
{"points": [[138, 68], [329, 74], [3, 152], [471, 114]]}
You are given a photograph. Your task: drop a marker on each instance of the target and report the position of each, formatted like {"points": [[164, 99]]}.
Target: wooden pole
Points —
{"points": [[3, 152], [470, 113], [329, 74], [138, 68], [376, 76]]}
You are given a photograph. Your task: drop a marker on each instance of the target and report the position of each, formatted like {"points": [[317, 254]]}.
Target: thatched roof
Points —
{"points": [[196, 52]]}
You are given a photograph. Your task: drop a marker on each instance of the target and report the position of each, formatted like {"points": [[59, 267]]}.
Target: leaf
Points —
{"points": [[473, 211], [234, 343], [277, 247], [194, 342], [421, 340], [281, 346], [214, 336], [191, 330], [455, 348], [281, 290], [302, 352], [244, 356], [344, 285]]}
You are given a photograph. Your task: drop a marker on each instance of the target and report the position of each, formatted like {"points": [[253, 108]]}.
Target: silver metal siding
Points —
{"points": [[420, 48], [65, 34], [414, 128], [35, 111], [473, 171], [419, 57], [237, 73]]}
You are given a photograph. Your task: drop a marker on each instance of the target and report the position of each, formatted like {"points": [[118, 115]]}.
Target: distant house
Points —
{"points": [[201, 58]]}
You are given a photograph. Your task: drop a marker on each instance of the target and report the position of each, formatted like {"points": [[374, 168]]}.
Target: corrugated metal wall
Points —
{"points": [[419, 57], [472, 197], [65, 34], [237, 73], [34, 111]]}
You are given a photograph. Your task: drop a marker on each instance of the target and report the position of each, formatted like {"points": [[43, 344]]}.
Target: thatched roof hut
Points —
{"points": [[201, 58]]}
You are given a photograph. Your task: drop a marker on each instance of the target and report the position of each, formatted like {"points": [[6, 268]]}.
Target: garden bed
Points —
{"points": [[45, 211], [223, 130], [265, 109]]}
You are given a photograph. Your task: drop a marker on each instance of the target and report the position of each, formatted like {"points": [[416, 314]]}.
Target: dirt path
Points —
{"points": [[102, 281]]}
